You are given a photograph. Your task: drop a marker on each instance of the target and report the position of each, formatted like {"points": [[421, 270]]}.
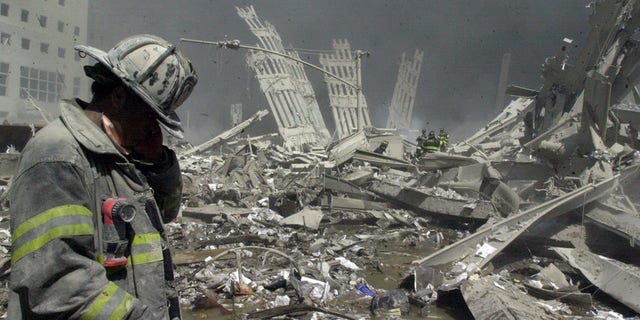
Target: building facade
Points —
{"points": [[38, 65]]}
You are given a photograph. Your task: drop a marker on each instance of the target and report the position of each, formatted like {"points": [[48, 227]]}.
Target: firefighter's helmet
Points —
{"points": [[154, 69]]}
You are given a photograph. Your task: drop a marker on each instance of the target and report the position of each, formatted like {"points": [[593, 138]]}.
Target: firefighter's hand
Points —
{"points": [[149, 149]]}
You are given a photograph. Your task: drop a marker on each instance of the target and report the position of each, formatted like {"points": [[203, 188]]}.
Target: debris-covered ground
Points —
{"points": [[533, 217]]}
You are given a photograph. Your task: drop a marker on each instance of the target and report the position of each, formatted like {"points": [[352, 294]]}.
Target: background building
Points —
{"points": [[38, 65]]}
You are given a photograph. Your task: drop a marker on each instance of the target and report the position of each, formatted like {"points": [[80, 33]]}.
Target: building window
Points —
{"points": [[4, 74], [76, 86], [4, 9], [76, 31], [41, 85], [44, 47], [60, 26], [25, 43], [42, 20], [61, 2], [61, 52], [5, 38], [24, 15]]}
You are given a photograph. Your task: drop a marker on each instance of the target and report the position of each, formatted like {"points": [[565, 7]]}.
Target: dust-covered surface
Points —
{"points": [[533, 216]]}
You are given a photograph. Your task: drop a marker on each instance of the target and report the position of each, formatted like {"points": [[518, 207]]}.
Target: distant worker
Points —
{"points": [[444, 140], [432, 144], [382, 148], [420, 142], [421, 138]]}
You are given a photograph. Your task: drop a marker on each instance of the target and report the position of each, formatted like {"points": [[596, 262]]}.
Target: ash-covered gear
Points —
{"points": [[431, 144], [153, 69], [65, 173], [420, 141], [443, 137], [382, 148], [421, 138]]}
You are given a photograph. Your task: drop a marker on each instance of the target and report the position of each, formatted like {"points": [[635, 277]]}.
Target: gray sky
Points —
{"points": [[463, 41]]}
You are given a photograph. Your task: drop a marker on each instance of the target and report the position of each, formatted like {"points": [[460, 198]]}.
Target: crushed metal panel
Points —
{"points": [[619, 280], [348, 104], [629, 75], [285, 86], [510, 228], [563, 81], [404, 93]]}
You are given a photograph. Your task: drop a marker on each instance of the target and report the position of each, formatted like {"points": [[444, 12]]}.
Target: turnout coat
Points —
{"points": [[66, 172]]}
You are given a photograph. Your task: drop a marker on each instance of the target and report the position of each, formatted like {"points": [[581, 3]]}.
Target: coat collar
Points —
{"points": [[85, 131]]}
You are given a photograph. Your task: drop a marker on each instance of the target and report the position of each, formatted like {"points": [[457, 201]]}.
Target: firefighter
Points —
{"points": [[444, 139], [382, 148], [93, 189], [421, 138], [432, 144], [419, 142]]}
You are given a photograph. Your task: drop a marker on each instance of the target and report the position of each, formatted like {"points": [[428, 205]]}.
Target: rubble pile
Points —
{"points": [[534, 216]]}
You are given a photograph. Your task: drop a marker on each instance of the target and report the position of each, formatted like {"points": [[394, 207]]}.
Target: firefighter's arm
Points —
{"points": [[54, 270]]}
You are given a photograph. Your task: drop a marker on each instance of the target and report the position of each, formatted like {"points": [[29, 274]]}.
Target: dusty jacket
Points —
{"points": [[65, 173]]}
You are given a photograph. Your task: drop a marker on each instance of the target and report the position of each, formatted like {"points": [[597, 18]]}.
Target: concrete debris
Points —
{"points": [[307, 218], [618, 279], [292, 223]]}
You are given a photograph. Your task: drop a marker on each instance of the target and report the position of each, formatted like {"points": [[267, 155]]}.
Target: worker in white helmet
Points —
{"points": [[93, 189]]}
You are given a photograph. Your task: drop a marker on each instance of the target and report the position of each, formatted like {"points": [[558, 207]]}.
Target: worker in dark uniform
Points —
{"points": [[419, 142], [432, 144]]}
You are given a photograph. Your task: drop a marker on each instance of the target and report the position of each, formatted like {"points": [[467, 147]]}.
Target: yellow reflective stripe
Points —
{"points": [[122, 308], [105, 297], [37, 243], [46, 216], [146, 257], [145, 238], [149, 257]]}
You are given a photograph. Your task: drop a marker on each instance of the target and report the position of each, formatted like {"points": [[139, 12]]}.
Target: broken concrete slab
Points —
{"points": [[440, 160], [426, 202], [492, 297], [341, 203], [383, 161], [624, 223], [309, 218]]}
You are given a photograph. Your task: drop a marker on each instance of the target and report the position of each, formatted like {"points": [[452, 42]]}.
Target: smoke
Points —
{"points": [[463, 41]]}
